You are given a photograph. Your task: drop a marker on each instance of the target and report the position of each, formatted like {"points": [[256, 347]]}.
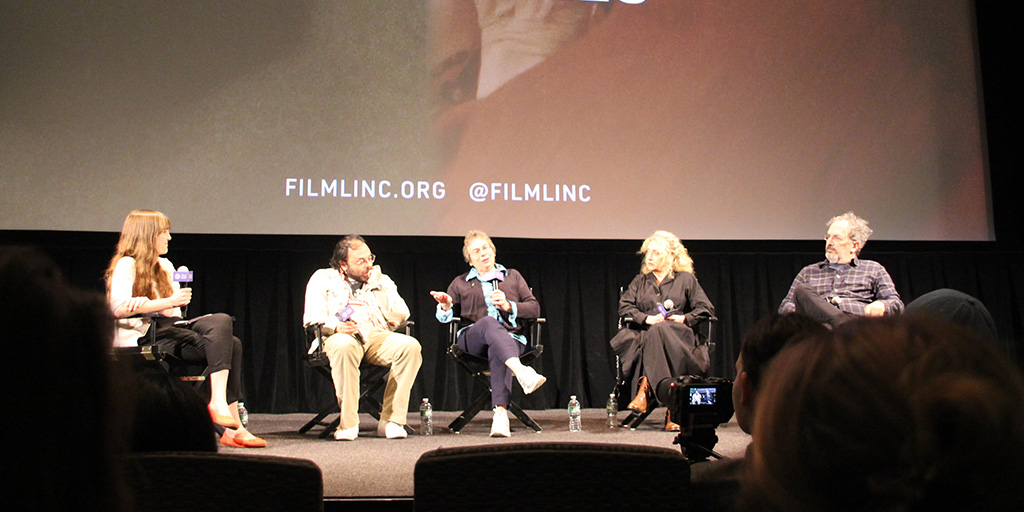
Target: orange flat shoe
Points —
{"points": [[227, 440], [254, 442], [220, 419]]}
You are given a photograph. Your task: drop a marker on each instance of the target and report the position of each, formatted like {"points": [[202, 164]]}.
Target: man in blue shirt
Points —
{"points": [[843, 286]]}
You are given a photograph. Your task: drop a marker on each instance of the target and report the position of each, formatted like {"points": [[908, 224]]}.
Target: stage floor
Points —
{"points": [[372, 467]]}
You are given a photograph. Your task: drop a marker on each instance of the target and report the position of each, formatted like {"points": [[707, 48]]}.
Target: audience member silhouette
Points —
{"points": [[897, 413], [717, 482], [169, 415], [963, 310], [61, 440]]}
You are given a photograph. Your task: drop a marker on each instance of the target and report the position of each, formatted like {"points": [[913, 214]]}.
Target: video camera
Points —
{"points": [[699, 405]]}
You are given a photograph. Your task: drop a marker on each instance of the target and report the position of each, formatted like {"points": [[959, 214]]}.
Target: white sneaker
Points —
{"points": [[391, 430], [499, 425], [530, 380], [348, 434]]}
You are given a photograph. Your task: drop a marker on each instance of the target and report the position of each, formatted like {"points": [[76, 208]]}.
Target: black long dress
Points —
{"points": [[666, 349]]}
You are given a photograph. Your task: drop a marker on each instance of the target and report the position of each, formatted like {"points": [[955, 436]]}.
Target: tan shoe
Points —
{"points": [[643, 394], [669, 425]]}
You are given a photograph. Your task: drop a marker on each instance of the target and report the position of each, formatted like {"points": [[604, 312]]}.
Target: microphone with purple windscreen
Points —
{"points": [[345, 315], [666, 308], [183, 276]]}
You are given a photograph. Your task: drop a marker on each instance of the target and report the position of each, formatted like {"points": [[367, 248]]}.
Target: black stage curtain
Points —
{"points": [[261, 281]]}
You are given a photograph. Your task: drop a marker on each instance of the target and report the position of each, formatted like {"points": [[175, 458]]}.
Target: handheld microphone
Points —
{"points": [[666, 308], [344, 315], [493, 275], [183, 276]]}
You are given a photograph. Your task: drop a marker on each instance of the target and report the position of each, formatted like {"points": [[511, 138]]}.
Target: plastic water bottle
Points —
{"points": [[426, 418], [575, 423], [243, 414], [613, 410]]}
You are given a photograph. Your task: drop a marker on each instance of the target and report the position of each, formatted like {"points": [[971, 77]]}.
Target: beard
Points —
{"points": [[831, 257], [357, 278]]}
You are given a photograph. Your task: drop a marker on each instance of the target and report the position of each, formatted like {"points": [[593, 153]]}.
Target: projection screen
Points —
{"points": [[530, 118]]}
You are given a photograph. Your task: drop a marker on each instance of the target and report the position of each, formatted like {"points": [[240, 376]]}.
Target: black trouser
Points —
{"points": [[207, 340], [817, 307]]}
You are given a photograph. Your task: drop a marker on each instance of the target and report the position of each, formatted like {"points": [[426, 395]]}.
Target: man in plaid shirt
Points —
{"points": [[843, 286]]}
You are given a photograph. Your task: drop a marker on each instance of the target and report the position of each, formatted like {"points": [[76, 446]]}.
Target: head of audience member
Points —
{"points": [[353, 258], [760, 345], [169, 415], [479, 251], [956, 307], [893, 413], [60, 434], [663, 251], [847, 234]]}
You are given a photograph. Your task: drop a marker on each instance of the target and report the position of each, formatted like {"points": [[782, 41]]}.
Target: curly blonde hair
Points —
{"points": [[681, 261]]}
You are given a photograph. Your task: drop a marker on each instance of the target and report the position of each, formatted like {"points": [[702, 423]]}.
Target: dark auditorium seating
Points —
{"points": [[201, 481], [551, 476]]}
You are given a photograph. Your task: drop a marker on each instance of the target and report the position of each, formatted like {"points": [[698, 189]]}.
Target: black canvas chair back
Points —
{"points": [[552, 476], [148, 354], [479, 369]]}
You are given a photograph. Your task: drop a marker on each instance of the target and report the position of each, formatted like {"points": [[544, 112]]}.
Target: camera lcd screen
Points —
{"points": [[703, 395]]}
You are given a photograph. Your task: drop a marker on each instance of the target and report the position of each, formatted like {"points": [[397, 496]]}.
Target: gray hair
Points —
{"points": [[859, 230]]}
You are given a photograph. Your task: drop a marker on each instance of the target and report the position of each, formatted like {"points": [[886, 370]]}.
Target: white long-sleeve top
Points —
{"points": [[121, 282]]}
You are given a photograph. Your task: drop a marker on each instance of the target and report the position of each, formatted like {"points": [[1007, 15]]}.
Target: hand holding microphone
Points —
{"points": [[498, 298], [347, 326], [182, 297], [669, 314], [665, 312], [666, 308]]}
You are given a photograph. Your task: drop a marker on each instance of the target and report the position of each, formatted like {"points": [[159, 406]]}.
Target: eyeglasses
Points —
{"points": [[365, 261]]}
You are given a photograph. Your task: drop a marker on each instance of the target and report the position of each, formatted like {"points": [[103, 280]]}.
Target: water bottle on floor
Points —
{"points": [[243, 414], [613, 410], [575, 423], [426, 418]]}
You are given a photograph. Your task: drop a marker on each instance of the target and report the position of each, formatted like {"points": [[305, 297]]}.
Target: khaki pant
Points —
{"points": [[399, 352]]}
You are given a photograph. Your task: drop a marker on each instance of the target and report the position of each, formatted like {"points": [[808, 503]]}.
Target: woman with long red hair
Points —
{"points": [[139, 282]]}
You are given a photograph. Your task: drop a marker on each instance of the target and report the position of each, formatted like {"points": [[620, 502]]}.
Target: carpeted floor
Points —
{"points": [[377, 467]]}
